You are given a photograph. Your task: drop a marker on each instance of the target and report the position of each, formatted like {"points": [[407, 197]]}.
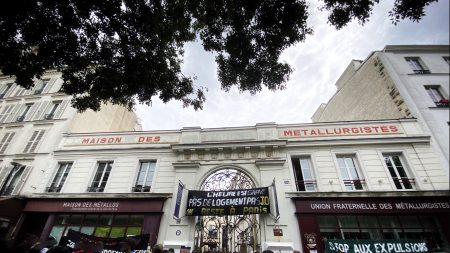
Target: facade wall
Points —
{"points": [[386, 86], [265, 153]]}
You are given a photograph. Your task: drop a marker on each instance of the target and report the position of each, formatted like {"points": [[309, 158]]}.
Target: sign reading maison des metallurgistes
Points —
{"points": [[232, 202]]}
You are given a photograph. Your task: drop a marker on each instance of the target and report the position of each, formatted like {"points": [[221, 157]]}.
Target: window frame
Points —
{"points": [[58, 187], [361, 181], [437, 95], [411, 177], [416, 64], [304, 182], [12, 180], [144, 188], [98, 187]]}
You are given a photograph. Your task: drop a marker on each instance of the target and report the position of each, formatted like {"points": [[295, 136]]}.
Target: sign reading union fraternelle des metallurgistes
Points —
{"points": [[232, 202]]}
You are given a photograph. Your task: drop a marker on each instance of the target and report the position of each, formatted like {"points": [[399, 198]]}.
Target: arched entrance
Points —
{"points": [[228, 233]]}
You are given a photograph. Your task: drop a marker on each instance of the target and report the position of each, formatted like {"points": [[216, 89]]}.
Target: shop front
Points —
{"points": [[99, 217], [323, 221]]}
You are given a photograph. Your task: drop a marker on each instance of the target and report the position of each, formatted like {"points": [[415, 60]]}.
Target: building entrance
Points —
{"points": [[228, 233]]}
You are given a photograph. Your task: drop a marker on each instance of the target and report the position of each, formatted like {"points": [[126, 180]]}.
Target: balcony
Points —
{"points": [[306, 185], [49, 116], [36, 92], [140, 188], [354, 184], [20, 119], [95, 189], [53, 189]]}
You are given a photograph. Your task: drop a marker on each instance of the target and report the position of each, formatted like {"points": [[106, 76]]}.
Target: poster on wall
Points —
{"points": [[77, 240], [378, 246], [231, 202]]}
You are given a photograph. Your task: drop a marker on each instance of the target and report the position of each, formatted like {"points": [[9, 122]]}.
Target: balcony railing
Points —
{"points": [[53, 189], [49, 116], [20, 118], [354, 184], [95, 189], [306, 185], [140, 188], [421, 71], [36, 92], [404, 182]]}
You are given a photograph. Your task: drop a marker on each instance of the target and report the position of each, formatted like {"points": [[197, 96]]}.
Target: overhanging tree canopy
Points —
{"points": [[119, 50]]}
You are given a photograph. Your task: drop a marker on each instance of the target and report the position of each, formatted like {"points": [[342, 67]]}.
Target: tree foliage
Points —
{"points": [[121, 50]]}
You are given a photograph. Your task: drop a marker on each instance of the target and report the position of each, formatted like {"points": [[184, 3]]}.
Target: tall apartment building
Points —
{"points": [[400, 81], [32, 123]]}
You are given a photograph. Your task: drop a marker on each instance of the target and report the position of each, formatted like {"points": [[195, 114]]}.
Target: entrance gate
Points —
{"points": [[228, 233]]}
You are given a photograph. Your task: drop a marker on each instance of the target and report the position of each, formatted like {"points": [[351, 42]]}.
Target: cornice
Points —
{"points": [[368, 194]]}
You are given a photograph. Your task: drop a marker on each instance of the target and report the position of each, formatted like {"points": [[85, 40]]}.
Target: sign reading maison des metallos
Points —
{"points": [[232, 202]]}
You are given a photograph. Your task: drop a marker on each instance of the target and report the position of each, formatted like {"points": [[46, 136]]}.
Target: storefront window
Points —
{"points": [[383, 227], [109, 226]]}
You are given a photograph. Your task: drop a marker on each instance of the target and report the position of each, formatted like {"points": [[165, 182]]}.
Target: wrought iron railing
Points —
{"points": [[355, 184], [48, 116], [36, 92], [140, 188], [95, 189], [53, 189], [404, 182], [306, 185], [421, 71], [20, 118]]}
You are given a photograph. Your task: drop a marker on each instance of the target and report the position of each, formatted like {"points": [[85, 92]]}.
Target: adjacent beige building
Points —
{"points": [[400, 81]]}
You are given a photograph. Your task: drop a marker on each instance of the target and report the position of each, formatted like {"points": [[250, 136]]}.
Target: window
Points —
{"points": [[398, 172], [103, 225], [5, 141], [13, 179], [41, 86], [436, 95], [24, 112], [51, 113], [303, 173], [60, 177], [349, 172], [6, 112], [417, 65], [145, 176], [446, 59], [101, 177], [34, 141], [5, 89]]}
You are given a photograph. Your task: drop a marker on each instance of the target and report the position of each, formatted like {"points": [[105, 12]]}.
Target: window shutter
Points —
{"points": [[10, 91], [41, 110], [27, 92], [30, 113], [21, 181], [12, 115], [3, 88], [48, 87], [36, 141], [59, 112], [6, 110], [3, 174], [30, 142], [5, 141]]}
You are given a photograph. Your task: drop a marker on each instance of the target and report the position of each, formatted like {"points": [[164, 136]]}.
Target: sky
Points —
{"points": [[318, 62]]}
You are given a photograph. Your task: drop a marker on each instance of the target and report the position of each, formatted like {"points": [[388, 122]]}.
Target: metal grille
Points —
{"points": [[237, 233]]}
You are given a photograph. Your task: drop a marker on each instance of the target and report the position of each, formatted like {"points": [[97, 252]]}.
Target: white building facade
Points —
{"points": [[404, 81], [32, 123], [360, 180]]}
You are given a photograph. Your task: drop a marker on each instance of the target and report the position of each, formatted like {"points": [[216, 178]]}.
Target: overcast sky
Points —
{"points": [[318, 62]]}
